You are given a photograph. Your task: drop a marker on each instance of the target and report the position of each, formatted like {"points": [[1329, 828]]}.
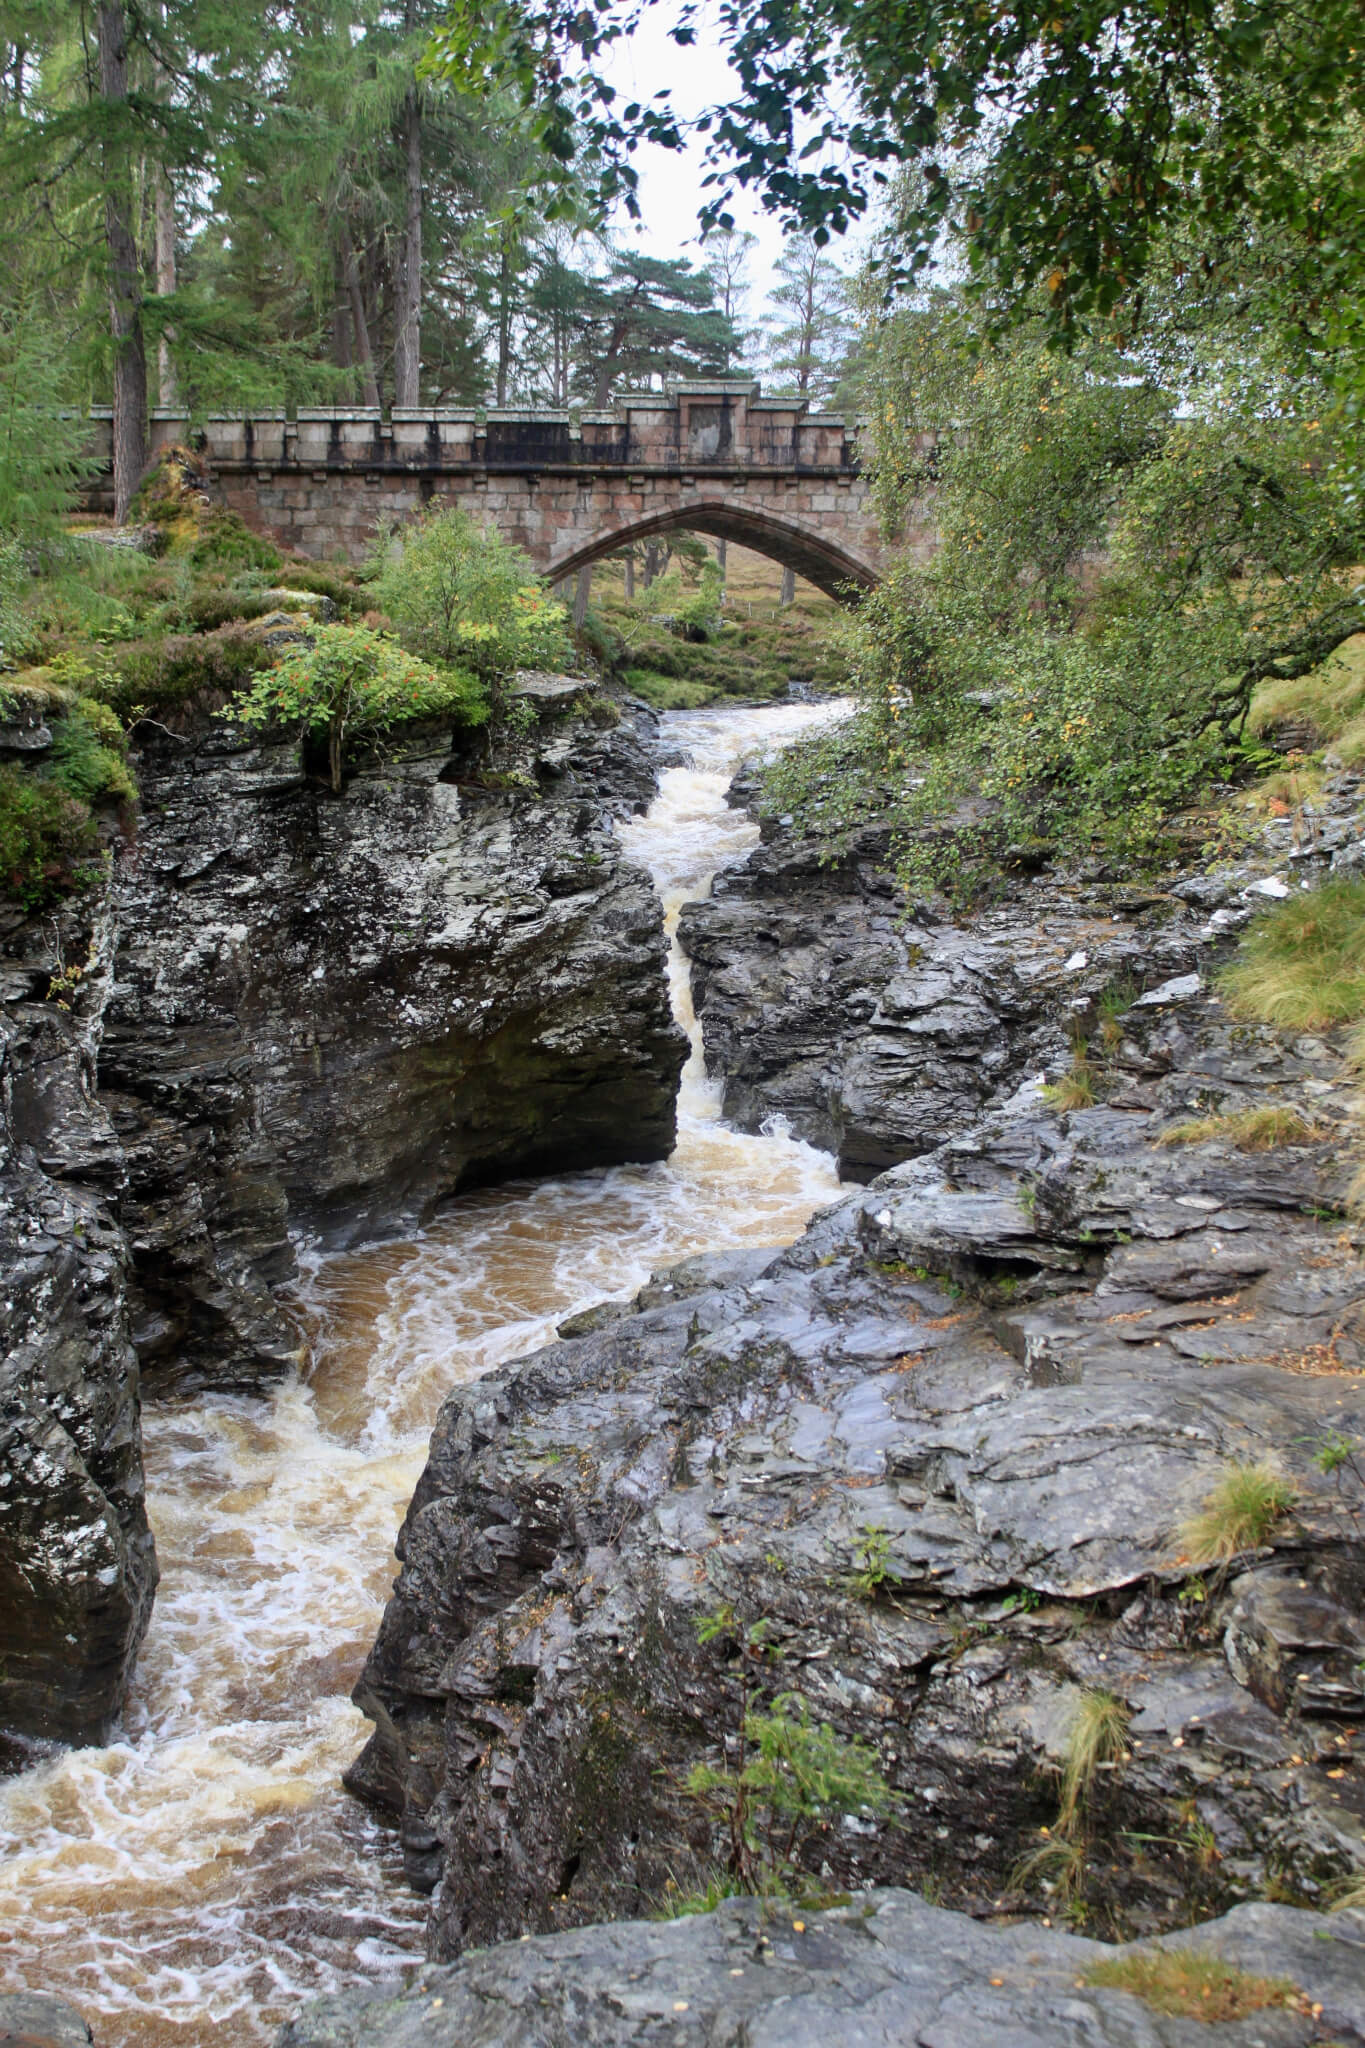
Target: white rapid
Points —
{"points": [[204, 1872]]}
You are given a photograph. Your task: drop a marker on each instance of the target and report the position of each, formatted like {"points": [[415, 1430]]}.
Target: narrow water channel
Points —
{"points": [[195, 1879]]}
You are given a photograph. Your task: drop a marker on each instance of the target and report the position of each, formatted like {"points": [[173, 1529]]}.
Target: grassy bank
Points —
{"points": [[758, 648]]}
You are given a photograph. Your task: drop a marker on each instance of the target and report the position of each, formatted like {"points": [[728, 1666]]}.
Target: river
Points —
{"points": [[204, 1872]]}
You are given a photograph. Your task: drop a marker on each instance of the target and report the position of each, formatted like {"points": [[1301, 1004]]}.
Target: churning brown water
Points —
{"points": [[196, 1878]]}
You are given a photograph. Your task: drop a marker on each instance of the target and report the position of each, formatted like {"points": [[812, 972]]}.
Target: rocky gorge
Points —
{"points": [[933, 1472], [285, 1015], [937, 1469]]}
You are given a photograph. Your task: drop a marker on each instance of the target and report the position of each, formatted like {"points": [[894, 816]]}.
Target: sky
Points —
{"points": [[670, 183]]}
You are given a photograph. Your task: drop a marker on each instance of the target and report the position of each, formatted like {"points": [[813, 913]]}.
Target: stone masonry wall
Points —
{"points": [[715, 457]]}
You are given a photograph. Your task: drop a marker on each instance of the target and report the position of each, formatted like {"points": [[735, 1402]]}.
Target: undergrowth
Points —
{"points": [[783, 1780], [1329, 703], [49, 836]]}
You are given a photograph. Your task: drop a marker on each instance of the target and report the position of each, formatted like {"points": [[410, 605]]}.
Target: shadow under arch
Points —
{"points": [[822, 562]]}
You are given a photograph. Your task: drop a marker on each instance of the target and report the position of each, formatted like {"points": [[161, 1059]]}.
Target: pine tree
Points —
{"points": [[727, 265], [812, 329]]}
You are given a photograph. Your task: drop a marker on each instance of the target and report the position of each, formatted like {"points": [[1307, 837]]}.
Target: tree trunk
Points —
{"points": [[720, 559], [630, 577], [407, 341], [788, 594], [360, 326], [125, 281], [651, 561], [341, 328], [582, 592], [504, 316], [167, 391]]}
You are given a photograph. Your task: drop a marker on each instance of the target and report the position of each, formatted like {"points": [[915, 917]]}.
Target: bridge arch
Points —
{"points": [[810, 553]]}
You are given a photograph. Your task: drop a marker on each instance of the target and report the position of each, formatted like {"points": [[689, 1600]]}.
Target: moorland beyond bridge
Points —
{"points": [[715, 457]]}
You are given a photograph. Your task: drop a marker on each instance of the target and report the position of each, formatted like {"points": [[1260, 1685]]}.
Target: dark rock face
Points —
{"points": [[330, 1012], [322, 1014], [884, 1971], [875, 1036], [1023, 1360], [77, 1564]]}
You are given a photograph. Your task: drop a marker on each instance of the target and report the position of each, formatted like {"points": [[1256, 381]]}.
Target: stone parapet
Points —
{"points": [[712, 424]]}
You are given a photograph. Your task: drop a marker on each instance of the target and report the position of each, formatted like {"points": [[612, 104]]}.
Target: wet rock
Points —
{"points": [[884, 1970], [315, 603], [77, 1564], [875, 1034], [943, 1450], [24, 736], [330, 1012]]}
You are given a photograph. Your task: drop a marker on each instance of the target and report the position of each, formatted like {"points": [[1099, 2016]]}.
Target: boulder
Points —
{"points": [[30, 2019]]}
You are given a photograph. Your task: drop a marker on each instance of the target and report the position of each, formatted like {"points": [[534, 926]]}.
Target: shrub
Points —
{"points": [[210, 609], [461, 594], [215, 537], [346, 593], [795, 1777], [171, 498], [353, 684], [47, 839], [88, 755], [792, 1777], [183, 668]]}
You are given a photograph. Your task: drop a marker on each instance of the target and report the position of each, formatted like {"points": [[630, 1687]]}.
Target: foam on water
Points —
{"points": [[204, 1871]]}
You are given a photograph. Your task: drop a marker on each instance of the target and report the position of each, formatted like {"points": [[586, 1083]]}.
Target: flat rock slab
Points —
{"points": [[883, 1971]]}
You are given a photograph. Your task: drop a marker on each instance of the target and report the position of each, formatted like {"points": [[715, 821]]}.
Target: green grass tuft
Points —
{"points": [[1098, 1735], [1330, 701], [1246, 1505], [1058, 1865], [1302, 964], [1187, 1985], [1250, 1130]]}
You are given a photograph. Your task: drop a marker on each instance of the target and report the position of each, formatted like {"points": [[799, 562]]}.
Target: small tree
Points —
{"points": [[355, 684], [458, 592], [791, 1778]]}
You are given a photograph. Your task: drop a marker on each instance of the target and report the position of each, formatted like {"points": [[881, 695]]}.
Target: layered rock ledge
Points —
{"points": [[77, 1563], [875, 1032], [885, 1970]]}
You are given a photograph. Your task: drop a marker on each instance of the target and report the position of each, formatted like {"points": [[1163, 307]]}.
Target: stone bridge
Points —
{"points": [[715, 457]]}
